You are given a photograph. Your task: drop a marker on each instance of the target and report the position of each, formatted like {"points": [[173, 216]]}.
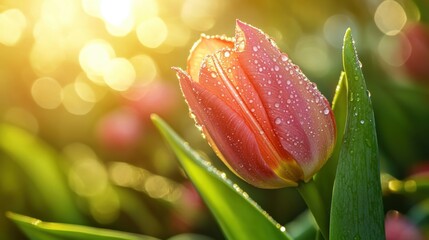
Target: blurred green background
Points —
{"points": [[80, 78]]}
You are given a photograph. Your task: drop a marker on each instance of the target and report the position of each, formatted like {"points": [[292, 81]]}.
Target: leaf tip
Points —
{"points": [[348, 34]]}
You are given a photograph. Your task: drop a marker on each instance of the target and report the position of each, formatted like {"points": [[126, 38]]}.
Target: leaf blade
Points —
{"points": [[357, 208], [238, 216], [37, 229], [39, 162]]}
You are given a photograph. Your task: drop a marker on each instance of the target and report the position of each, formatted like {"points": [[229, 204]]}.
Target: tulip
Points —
{"points": [[263, 118], [416, 59], [399, 227]]}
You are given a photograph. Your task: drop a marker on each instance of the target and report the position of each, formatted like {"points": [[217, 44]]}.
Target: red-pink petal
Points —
{"points": [[226, 130], [203, 47], [299, 114]]}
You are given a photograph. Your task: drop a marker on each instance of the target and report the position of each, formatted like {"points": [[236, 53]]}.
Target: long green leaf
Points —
{"points": [[325, 178], [38, 230], [357, 207], [238, 215], [39, 163]]}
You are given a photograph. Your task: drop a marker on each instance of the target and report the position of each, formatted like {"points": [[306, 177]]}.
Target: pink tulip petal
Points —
{"points": [[299, 114], [225, 129], [222, 75], [203, 47]]}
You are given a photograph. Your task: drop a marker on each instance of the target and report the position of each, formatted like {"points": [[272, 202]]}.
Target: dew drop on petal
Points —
{"points": [[276, 105], [255, 48], [284, 58], [277, 121], [326, 111], [276, 68], [226, 54], [213, 74]]}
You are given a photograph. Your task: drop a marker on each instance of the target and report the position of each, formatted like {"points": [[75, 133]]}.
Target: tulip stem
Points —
{"points": [[314, 201]]}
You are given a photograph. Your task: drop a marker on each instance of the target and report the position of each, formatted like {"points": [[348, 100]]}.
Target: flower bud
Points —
{"points": [[266, 121]]}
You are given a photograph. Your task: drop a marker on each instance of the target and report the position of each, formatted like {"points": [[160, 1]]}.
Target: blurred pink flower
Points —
{"points": [[158, 97], [398, 227], [417, 58], [120, 129]]}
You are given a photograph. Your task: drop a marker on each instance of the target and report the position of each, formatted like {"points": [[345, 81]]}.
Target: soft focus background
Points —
{"points": [[80, 78]]}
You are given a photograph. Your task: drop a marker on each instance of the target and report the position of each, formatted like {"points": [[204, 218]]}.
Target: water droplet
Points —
{"points": [[360, 64], [284, 58], [276, 105], [368, 93], [282, 229], [269, 93], [326, 111], [227, 54], [252, 110], [260, 69], [213, 74], [276, 68], [362, 121], [255, 48], [277, 121], [288, 82]]}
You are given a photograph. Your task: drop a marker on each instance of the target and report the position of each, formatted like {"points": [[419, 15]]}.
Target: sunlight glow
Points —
{"points": [[119, 74], [73, 103], [12, 26], [94, 57], [390, 17], [47, 93], [118, 16], [152, 32]]}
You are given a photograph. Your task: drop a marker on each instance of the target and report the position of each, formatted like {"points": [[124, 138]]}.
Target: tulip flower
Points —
{"points": [[261, 115]]}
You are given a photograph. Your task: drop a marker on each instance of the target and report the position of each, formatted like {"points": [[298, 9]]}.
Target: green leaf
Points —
{"points": [[238, 215], [357, 207], [39, 163], [189, 236], [38, 230], [325, 178]]}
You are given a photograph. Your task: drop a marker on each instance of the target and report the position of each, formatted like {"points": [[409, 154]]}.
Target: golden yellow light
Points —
{"points": [[390, 17], [178, 34], [91, 7], [12, 26], [152, 32], [85, 91], [200, 15], [105, 207], [115, 11], [88, 90], [46, 56], [47, 92], [73, 103], [118, 16], [145, 9], [119, 74], [87, 176], [146, 68], [395, 185], [94, 57]]}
